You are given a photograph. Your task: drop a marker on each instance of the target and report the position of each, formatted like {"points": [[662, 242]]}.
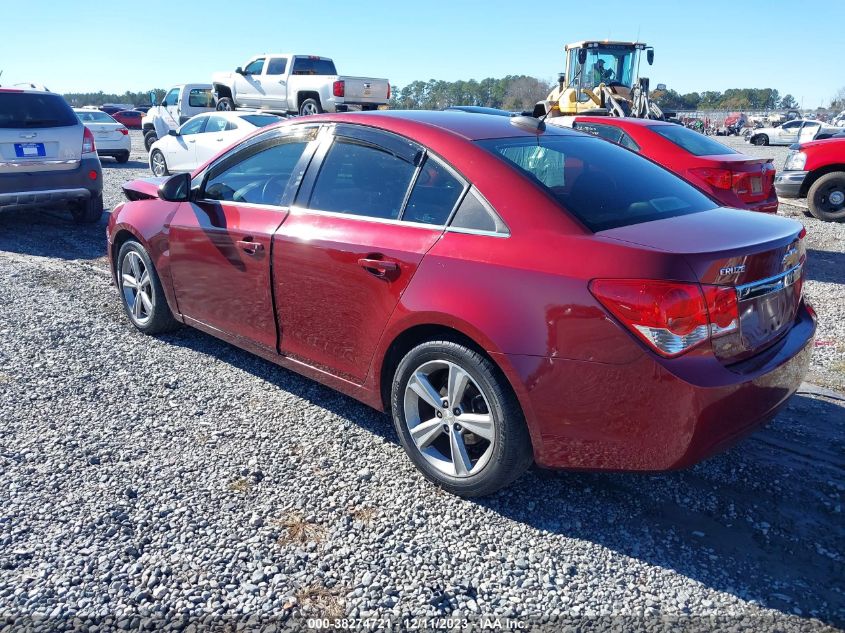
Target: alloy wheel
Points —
{"points": [[159, 166], [309, 108], [449, 418], [136, 286]]}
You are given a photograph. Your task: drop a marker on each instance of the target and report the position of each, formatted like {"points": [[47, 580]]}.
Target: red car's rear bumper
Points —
{"points": [[655, 414]]}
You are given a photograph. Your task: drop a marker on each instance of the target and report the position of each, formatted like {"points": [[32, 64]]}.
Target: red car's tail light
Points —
{"points": [[88, 145], [339, 88], [719, 178], [671, 317]]}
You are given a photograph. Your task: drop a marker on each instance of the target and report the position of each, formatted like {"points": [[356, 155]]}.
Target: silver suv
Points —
{"points": [[47, 157]]}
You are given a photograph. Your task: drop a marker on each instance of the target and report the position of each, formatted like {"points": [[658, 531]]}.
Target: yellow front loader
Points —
{"points": [[602, 78]]}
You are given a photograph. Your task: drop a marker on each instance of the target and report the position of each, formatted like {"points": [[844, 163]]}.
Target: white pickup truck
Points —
{"points": [[301, 84], [179, 104]]}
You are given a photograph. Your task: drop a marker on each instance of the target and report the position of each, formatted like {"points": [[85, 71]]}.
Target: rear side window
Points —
{"points": [[601, 184], [216, 124], [260, 120], [694, 142], [276, 66], [435, 194], [200, 98], [313, 66], [35, 110], [361, 179], [475, 215], [607, 132]]}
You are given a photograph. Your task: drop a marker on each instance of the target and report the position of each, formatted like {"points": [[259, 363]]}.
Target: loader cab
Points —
{"points": [[613, 63]]}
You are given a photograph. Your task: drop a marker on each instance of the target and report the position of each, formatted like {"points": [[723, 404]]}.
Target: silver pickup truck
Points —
{"points": [[302, 84]]}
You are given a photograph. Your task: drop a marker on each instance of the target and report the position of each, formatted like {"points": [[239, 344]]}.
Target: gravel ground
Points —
{"points": [[164, 482]]}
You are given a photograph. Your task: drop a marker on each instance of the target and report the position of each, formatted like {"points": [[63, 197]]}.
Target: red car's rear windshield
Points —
{"points": [[694, 142], [602, 184]]}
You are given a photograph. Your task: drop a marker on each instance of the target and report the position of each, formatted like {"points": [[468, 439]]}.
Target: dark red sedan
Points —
{"points": [[735, 180], [129, 118], [510, 292]]}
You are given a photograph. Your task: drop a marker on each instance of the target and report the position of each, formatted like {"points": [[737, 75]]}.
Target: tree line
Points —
{"points": [[517, 92], [79, 99]]}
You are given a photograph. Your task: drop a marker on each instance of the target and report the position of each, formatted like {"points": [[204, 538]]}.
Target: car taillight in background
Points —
{"points": [[670, 317], [88, 142], [339, 89], [388, 90], [746, 184], [123, 131]]}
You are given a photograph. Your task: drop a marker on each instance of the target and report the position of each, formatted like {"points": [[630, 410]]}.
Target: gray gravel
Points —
{"points": [[151, 482]]}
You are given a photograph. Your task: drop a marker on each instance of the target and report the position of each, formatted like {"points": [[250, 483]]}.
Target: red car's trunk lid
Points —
{"points": [[761, 256], [752, 179]]}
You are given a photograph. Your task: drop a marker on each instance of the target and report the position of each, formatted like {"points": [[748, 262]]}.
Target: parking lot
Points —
{"points": [[147, 480]]}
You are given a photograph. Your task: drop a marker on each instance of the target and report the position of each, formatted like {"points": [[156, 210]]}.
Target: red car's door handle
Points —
{"points": [[250, 247], [381, 268]]}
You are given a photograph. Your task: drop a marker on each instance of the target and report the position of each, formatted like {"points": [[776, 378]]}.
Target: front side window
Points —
{"points": [[194, 126], [361, 179], [694, 142], [254, 67], [261, 177], [201, 98], [172, 98], [601, 184], [435, 194], [277, 66]]}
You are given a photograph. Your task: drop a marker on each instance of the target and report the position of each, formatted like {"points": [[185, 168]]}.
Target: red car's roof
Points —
{"points": [[469, 125], [622, 122]]}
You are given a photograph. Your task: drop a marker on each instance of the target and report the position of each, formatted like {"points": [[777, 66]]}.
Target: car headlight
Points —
{"points": [[795, 161]]}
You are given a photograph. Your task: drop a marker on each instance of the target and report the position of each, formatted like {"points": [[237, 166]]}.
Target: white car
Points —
{"points": [[787, 134], [202, 137], [112, 138]]}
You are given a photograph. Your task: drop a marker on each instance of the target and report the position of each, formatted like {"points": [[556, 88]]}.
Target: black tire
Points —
{"points": [[760, 139], [149, 138], [159, 319], [156, 159], [826, 197], [123, 158], [88, 211], [310, 106], [510, 452], [225, 104]]}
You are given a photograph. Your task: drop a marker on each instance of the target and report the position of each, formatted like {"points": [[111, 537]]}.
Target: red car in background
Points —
{"points": [[735, 180], [509, 291], [129, 118]]}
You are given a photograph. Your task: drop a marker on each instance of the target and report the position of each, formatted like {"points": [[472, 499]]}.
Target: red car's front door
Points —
{"points": [[343, 257], [220, 244]]}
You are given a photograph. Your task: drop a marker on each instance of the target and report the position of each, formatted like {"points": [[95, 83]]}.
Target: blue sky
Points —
{"points": [[118, 46]]}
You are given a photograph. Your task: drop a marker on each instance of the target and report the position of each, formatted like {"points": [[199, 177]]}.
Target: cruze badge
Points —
{"points": [[732, 270]]}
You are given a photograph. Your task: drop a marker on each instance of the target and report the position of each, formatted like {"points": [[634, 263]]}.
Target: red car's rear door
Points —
{"points": [[352, 243], [220, 244]]}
